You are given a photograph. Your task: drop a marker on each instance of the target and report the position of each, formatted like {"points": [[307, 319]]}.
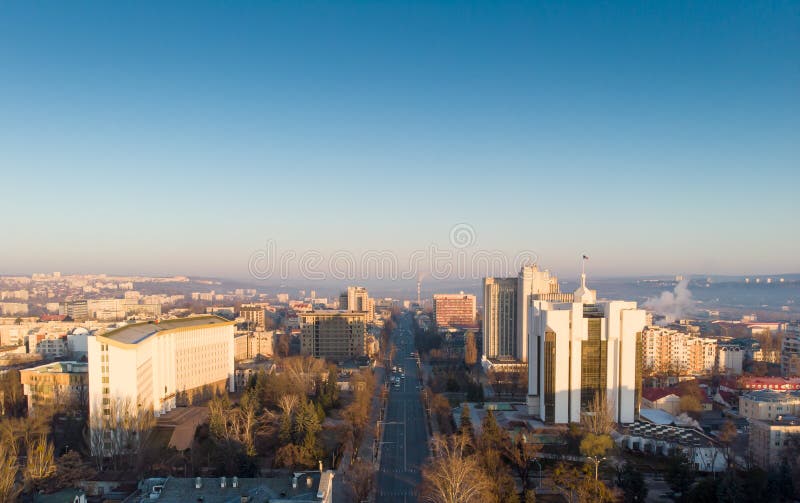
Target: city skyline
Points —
{"points": [[660, 139]]}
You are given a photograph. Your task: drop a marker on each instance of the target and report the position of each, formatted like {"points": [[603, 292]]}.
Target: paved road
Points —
{"points": [[405, 436]]}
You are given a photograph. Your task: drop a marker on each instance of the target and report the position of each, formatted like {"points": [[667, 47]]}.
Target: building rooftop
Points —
{"points": [[61, 368], [786, 420], [310, 486], [136, 333], [768, 395], [689, 437]]}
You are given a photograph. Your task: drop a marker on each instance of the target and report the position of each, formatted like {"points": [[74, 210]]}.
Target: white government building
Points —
{"points": [[579, 348], [155, 365]]}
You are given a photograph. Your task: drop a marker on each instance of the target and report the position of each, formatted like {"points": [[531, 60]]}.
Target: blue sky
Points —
{"points": [[169, 137]]}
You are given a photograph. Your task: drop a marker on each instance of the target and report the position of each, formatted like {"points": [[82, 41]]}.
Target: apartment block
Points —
{"points": [[338, 335], [62, 385], [454, 309]]}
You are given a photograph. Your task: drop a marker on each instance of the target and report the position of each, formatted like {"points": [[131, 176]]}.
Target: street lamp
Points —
{"points": [[597, 460]]}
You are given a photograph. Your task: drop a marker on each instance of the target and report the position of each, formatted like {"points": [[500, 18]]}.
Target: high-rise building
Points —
{"points": [[506, 302], [356, 299], [675, 352], [152, 367], [338, 335], [454, 309], [790, 351], [582, 349], [254, 315]]}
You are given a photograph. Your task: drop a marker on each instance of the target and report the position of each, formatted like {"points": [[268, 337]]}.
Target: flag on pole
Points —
{"points": [[585, 257]]}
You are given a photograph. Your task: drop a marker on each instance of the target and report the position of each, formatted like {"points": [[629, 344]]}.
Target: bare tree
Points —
{"points": [[9, 489], [40, 464], [599, 417], [360, 477], [453, 477]]}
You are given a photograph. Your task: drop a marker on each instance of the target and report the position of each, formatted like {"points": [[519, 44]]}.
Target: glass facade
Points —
{"points": [[594, 363], [549, 376]]}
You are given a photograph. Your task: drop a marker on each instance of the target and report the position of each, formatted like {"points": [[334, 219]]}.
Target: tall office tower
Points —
{"points": [[454, 309], [532, 284], [506, 302], [499, 318], [152, 367], [579, 349], [356, 299], [790, 351], [338, 335]]}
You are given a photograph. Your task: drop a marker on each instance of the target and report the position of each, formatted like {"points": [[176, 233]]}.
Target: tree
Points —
{"points": [[599, 417], [9, 489], [595, 447], [470, 349], [40, 464], [632, 483], [579, 487], [727, 434], [690, 403], [452, 476], [360, 477], [465, 423], [71, 469], [680, 473], [521, 454]]}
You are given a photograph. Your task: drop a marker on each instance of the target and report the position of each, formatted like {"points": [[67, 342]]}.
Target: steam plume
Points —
{"points": [[672, 305]]}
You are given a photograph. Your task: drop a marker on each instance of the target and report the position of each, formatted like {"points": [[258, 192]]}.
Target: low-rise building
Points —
{"points": [[702, 451], [769, 439], [59, 385], [790, 351], [296, 487], [767, 404]]}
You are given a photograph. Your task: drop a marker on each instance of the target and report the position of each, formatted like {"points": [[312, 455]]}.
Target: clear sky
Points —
{"points": [[168, 137]]}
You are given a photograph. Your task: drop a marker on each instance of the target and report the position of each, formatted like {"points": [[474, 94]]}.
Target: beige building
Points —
{"points": [[64, 385], [356, 299], [790, 351], [768, 404], [769, 439], [339, 335], [675, 352], [454, 309], [254, 315], [155, 366], [249, 345]]}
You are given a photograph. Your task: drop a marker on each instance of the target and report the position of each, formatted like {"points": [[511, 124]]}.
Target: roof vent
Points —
{"points": [[222, 482], [235, 482], [198, 483], [309, 481]]}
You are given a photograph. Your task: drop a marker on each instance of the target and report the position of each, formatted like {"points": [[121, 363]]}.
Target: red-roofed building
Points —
{"points": [[773, 383]]}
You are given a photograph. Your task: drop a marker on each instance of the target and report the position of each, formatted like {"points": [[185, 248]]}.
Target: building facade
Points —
{"points": [[767, 404], [769, 439], [506, 304], [454, 309], [675, 352], [155, 366], [580, 349], [356, 299], [60, 385], [790, 351], [338, 335]]}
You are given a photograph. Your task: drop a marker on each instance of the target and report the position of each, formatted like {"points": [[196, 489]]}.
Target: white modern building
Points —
{"points": [[155, 365], [579, 349], [730, 358], [506, 303]]}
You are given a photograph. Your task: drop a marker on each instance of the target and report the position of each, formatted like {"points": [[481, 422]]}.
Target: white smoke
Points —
{"points": [[673, 305]]}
